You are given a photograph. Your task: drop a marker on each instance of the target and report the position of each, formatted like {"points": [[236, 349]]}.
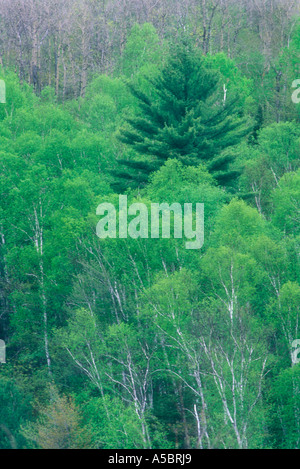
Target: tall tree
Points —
{"points": [[185, 115]]}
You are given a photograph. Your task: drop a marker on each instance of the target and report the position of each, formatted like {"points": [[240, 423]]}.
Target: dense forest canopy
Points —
{"points": [[141, 343]]}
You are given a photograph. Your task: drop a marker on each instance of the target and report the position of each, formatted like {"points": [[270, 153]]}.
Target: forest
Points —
{"points": [[138, 342]]}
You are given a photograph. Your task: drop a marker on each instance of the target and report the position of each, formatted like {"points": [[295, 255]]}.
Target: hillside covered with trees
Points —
{"points": [[123, 343]]}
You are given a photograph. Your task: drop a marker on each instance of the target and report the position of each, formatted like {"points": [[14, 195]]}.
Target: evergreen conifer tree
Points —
{"points": [[184, 115]]}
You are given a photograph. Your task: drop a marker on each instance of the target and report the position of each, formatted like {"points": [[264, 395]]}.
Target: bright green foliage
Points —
{"points": [[139, 342], [143, 50], [286, 198], [277, 152]]}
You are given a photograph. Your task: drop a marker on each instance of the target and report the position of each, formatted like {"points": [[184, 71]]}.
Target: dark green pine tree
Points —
{"points": [[183, 116]]}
